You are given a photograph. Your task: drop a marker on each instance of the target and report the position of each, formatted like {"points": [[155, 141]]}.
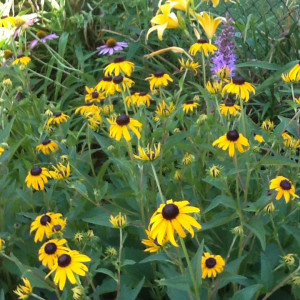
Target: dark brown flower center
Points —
{"points": [[45, 219], [143, 93], [56, 228], [123, 120], [170, 211], [20, 56], [111, 43], [156, 243], [50, 248], [107, 78], [159, 74], [95, 95], [285, 184], [189, 102], [202, 41], [229, 103], [118, 79], [36, 171], [64, 260], [57, 114], [46, 142], [210, 262], [238, 80], [232, 135], [41, 34], [119, 60], [88, 104]]}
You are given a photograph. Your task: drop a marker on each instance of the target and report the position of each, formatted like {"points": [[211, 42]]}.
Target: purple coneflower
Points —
{"points": [[111, 46], [224, 59], [43, 37]]}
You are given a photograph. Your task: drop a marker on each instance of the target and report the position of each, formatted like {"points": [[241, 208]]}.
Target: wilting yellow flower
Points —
{"points": [[189, 106], [297, 100], [47, 146], [119, 221], [286, 78], [239, 87], [2, 242], [87, 109], [188, 159], [94, 120], [1, 150], [24, 291], [202, 46], [78, 292], [230, 140], [148, 153], [78, 237], [284, 188], [159, 78], [37, 177], [111, 251], [60, 171], [119, 66], [164, 110], [259, 138], [189, 65], [294, 73], [289, 259], [152, 244], [290, 141], [107, 109], [22, 60], [178, 175], [214, 171], [267, 125], [229, 108], [8, 53], [215, 87], [224, 72], [7, 82], [166, 19], [212, 265], [269, 208], [238, 230], [208, 23]]}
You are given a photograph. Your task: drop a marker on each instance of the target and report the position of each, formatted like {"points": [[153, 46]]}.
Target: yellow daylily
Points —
{"points": [[209, 24], [166, 19], [179, 4], [216, 2]]}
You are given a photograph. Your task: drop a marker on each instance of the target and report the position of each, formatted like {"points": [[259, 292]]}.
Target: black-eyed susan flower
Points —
{"points": [[148, 153], [164, 110], [120, 125], [93, 95], [287, 79], [131, 99], [239, 87], [212, 265], [224, 72], [294, 73], [66, 265], [159, 78], [37, 178], [189, 106], [163, 20], [60, 171], [2, 242], [292, 143], [43, 225], [229, 107], [47, 146], [143, 98], [111, 46], [152, 244], [284, 188], [106, 85], [1, 150], [118, 67], [297, 100], [215, 87], [188, 158], [7, 21], [57, 118], [57, 227], [121, 84], [88, 108], [119, 221], [21, 60], [173, 217], [267, 125], [208, 23], [94, 120], [230, 140], [50, 251], [215, 171], [25, 290], [189, 65], [259, 138], [202, 46]]}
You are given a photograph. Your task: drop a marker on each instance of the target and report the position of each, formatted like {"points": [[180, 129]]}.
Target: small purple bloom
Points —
{"points": [[111, 47], [43, 40]]}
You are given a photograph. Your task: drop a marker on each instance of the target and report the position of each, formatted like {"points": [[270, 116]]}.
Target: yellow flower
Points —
{"points": [[93, 95], [78, 292], [267, 125], [57, 227], [284, 188], [119, 66], [111, 251], [50, 251], [269, 208], [292, 143], [148, 154], [22, 60], [231, 140], [87, 109], [166, 19], [214, 171], [2, 242], [189, 106], [37, 177], [7, 53], [208, 23], [163, 110], [78, 237], [178, 4], [57, 119], [229, 107], [60, 171], [170, 218], [120, 84], [294, 73], [178, 175], [94, 120], [215, 2], [119, 127], [7, 82], [224, 72], [189, 65], [202, 45], [259, 138], [159, 78], [287, 79], [66, 265], [297, 100], [239, 87], [119, 221], [47, 146], [43, 225], [143, 98], [7, 22], [1, 150], [152, 244], [108, 109], [289, 259], [188, 159], [106, 85], [24, 291], [215, 87], [212, 265]]}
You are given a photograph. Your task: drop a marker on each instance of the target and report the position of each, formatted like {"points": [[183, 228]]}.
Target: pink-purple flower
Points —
{"points": [[111, 46], [43, 39]]}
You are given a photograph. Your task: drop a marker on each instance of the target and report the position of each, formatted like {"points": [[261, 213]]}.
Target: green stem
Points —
{"points": [[276, 235], [37, 297], [119, 265], [125, 105], [243, 117], [196, 290], [203, 69], [157, 183]]}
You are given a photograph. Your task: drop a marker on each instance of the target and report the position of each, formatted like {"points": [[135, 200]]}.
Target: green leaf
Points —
{"points": [[266, 274], [101, 219], [278, 161], [259, 64], [156, 257], [247, 293], [129, 293], [128, 262], [257, 228], [179, 282], [107, 272], [5, 133], [197, 264], [221, 200]]}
